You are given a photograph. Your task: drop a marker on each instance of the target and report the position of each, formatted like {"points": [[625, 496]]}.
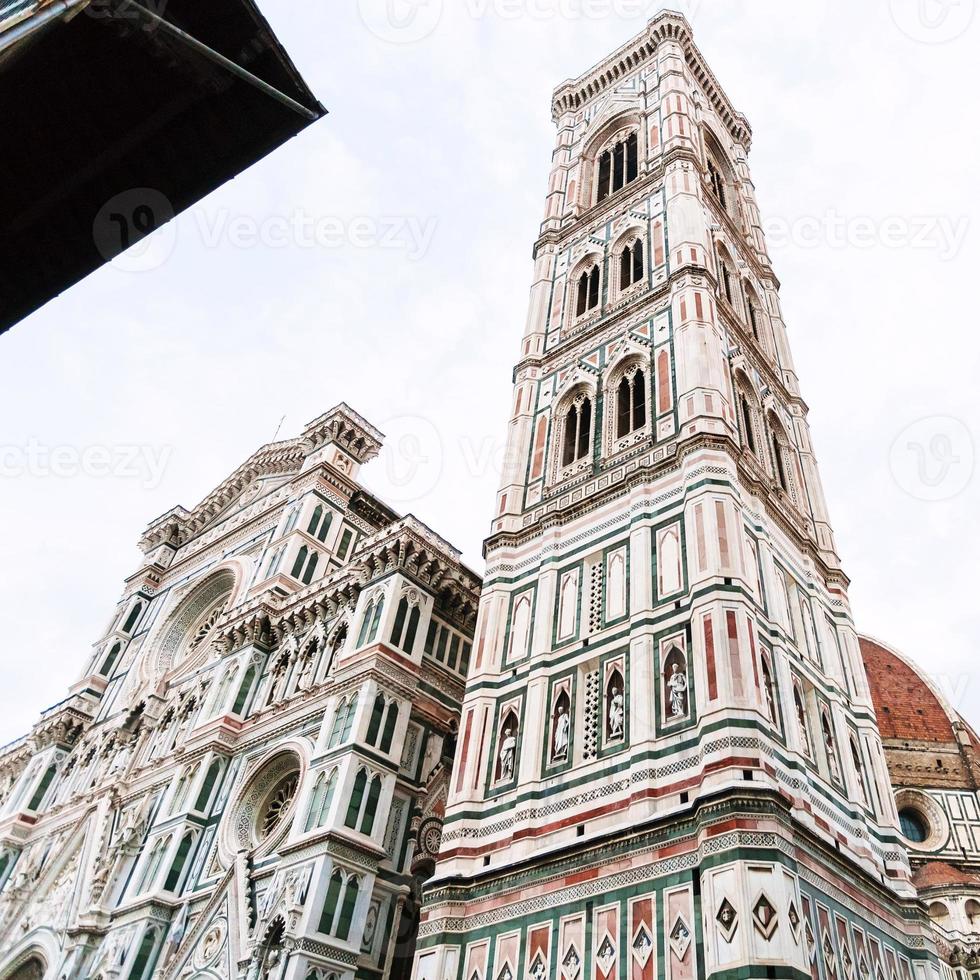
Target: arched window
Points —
{"points": [[342, 723], [410, 612], [110, 661], [320, 800], [391, 721], [374, 725], [315, 519], [578, 432], [371, 807], [152, 866], [631, 404], [310, 570], [617, 167], [330, 903], [371, 622], [42, 787], [717, 183], [207, 787], [830, 745], [134, 614], [780, 454], [588, 291], [172, 884], [300, 562], [747, 428], [859, 772], [320, 522], [753, 313], [347, 908], [631, 264], [144, 955], [802, 720], [769, 692], [356, 799], [244, 690]]}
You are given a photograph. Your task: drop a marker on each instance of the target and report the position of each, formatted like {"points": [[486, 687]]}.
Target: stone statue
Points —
{"points": [[508, 751], [677, 686], [562, 726], [617, 714]]}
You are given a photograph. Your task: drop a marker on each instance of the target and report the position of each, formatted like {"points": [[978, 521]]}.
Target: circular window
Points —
{"points": [[915, 828], [277, 806]]}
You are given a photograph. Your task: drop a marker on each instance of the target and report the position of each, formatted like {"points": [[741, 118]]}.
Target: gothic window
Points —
{"points": [[291, 518], [520, 628], [780, 454], [747, 427], [321, 799], [617, 166], [561, 728], [505, 765], [587, 295], [615, 707], [356, 799], [320, 522], [207, 787], [152, 865], [717, 184], [300, 563], [245, 688], [340, 637], [810, 633], [42, 787], [859, 772], [224, 688], [176, 873], [374, 725], [830, 745], [631, 264], [345, 543], [726, 281], [110, 661], [346, 916], [388, 732], [134, 614], [631, 403], [343, 722], [310, 569], [400, 635], [769, 692], [577, 439], [143, 956], [371, 622], [801, 719], [676, 687], [329, 914], [371, 806]]}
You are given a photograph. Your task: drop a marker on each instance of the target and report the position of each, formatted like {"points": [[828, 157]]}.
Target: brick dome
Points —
{"points": [[904, 701]]}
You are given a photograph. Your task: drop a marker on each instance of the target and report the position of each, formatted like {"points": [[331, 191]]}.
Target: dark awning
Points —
{"points": [[101, 97]]}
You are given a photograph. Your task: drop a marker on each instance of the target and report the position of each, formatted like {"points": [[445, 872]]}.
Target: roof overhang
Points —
{"points": [[150, 104]]}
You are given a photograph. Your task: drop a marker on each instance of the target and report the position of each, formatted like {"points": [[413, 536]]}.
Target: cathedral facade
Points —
{"points": [[248, 778], [650, 746]]}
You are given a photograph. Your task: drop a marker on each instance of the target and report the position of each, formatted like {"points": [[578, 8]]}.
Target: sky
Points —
{"points": [[383, 258]]}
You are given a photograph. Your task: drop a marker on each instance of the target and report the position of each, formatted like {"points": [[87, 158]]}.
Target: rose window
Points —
{"points": [[277, 806]]}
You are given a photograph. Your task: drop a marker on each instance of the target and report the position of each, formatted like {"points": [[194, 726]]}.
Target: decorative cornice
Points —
{"points": [[668, 26]]}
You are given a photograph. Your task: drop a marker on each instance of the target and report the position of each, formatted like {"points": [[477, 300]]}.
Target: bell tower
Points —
{"points": [[668, 763]]}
